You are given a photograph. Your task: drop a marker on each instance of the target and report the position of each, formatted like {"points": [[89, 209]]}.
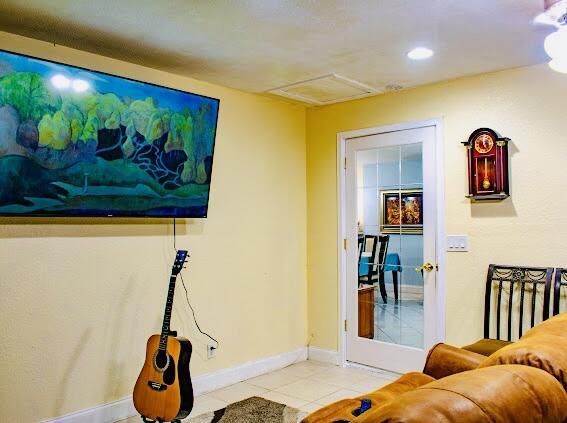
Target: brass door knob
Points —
{"points": [[428, 267]]}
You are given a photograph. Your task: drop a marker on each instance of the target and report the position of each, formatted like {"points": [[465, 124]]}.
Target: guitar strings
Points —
{"points": [[187, 294]]}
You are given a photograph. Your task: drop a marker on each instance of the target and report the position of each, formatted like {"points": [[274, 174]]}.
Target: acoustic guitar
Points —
{"points": [[163, 391]]}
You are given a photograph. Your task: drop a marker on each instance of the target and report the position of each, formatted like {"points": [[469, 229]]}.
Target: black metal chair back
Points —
{"points": [[501, 278], [560, 282]]}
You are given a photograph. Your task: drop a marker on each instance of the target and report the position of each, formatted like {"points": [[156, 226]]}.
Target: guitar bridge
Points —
{"points": [[156, 386]]}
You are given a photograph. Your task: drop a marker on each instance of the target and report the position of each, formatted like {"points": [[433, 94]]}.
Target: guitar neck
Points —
{"points": [[167, 313]]}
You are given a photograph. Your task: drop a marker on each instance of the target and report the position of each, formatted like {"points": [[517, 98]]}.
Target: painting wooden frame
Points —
{"points": [[410, 210]]}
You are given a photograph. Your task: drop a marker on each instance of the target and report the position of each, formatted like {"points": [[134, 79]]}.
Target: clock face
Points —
{"points": [[483, 143]]}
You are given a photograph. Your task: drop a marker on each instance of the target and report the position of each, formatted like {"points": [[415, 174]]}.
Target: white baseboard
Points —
{"points": [[217, 380], [124, 408], [325, 356], [105, 413]]}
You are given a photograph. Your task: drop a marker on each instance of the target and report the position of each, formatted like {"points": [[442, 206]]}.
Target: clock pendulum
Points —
{"points": [[486, 181]]}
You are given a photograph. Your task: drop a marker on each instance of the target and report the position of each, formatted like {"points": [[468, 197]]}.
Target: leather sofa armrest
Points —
{"points": [[444, 360]]}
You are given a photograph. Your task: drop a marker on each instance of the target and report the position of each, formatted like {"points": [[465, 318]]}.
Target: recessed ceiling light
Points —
{"points": [[420, 53]]}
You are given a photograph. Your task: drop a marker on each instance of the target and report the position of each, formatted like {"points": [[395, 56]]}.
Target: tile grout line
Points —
{"points": [[299, 378]]}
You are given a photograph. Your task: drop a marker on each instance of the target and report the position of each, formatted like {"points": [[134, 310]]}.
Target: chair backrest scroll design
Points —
{"points": [[504, 278]]}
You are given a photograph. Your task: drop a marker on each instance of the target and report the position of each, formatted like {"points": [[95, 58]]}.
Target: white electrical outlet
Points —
{"points": [[211, 351], [457, 243]]}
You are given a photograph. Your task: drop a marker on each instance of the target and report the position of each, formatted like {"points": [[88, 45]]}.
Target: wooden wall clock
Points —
{"points": [[487, 165]]}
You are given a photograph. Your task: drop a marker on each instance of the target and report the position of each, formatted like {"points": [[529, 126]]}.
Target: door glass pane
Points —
{"points": [[390, 233]]}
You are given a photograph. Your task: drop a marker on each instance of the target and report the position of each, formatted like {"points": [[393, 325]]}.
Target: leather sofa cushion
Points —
{"points": [[444, 360], [486, 346], [557, 325], [546, 352], [509, 393], [342, 410]]}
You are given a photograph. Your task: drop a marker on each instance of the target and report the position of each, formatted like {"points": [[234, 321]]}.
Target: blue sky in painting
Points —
{"points": [[103, 83]]}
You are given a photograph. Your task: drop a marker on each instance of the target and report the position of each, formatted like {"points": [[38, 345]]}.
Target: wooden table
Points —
{"points": [[366, 312]]}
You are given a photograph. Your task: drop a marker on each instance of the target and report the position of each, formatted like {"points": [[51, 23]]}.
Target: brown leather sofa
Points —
{"points": [[522, 382]]}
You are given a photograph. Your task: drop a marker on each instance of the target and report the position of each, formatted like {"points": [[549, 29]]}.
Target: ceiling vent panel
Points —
{"points": [[326, 89]]}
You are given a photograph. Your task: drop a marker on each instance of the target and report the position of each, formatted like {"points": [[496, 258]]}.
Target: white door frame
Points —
{"points": [[342, 137]]}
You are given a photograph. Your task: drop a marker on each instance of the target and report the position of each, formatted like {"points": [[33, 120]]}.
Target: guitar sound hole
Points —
{"points": [[161, 360], [169, 373]]}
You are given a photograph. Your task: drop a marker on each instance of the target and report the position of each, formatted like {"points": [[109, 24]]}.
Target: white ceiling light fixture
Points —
{"points": [[558, 65], [555, 44], [420, 53], [555, 13]]}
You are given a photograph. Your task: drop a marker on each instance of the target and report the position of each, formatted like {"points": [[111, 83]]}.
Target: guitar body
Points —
{"points": [[163, 391]]}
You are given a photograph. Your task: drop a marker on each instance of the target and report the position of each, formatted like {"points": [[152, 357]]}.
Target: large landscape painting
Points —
{"points": [[74, 142]]}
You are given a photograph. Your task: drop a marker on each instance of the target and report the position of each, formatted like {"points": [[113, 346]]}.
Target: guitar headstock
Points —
{"points": [[180, 259]]}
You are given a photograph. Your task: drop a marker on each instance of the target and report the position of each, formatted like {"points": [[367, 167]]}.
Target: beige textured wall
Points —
{"points": [[79, 297], [528, 105]]}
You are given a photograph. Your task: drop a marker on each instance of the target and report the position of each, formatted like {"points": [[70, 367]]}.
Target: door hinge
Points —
{"points": [[344, 164], [344, 243], [346, 325]]}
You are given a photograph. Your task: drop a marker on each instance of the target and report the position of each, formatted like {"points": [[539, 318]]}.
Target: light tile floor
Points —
{"points": [[308, 386], [399, 322]]}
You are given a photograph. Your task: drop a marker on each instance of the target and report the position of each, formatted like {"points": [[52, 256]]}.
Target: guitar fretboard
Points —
{"points": [[167, 313]]}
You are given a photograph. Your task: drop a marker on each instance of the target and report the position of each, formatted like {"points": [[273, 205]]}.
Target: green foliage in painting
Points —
{"points": [[76, 117], [76, 129], [156, 127], [55, 132], [188, 173], [72, 111], [108, 105], [90, 130], [128, 147], [175, 137], [28, 94], [203, 134], [113, 122], [138, 113], [180, 136], [201, 173]]}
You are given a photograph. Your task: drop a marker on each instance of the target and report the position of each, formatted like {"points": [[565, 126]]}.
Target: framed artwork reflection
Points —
{"points": [[401, 212]]}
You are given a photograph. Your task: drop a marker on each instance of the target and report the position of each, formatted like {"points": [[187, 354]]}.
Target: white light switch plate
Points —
{"points": [[457, 243]]}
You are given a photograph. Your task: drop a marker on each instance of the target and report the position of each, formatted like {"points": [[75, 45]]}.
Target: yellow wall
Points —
{"points": [[528, 105], [79, 297]]}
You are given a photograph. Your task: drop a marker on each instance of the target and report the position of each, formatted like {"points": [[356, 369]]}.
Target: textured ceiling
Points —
{"points": [[257, 45]]}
